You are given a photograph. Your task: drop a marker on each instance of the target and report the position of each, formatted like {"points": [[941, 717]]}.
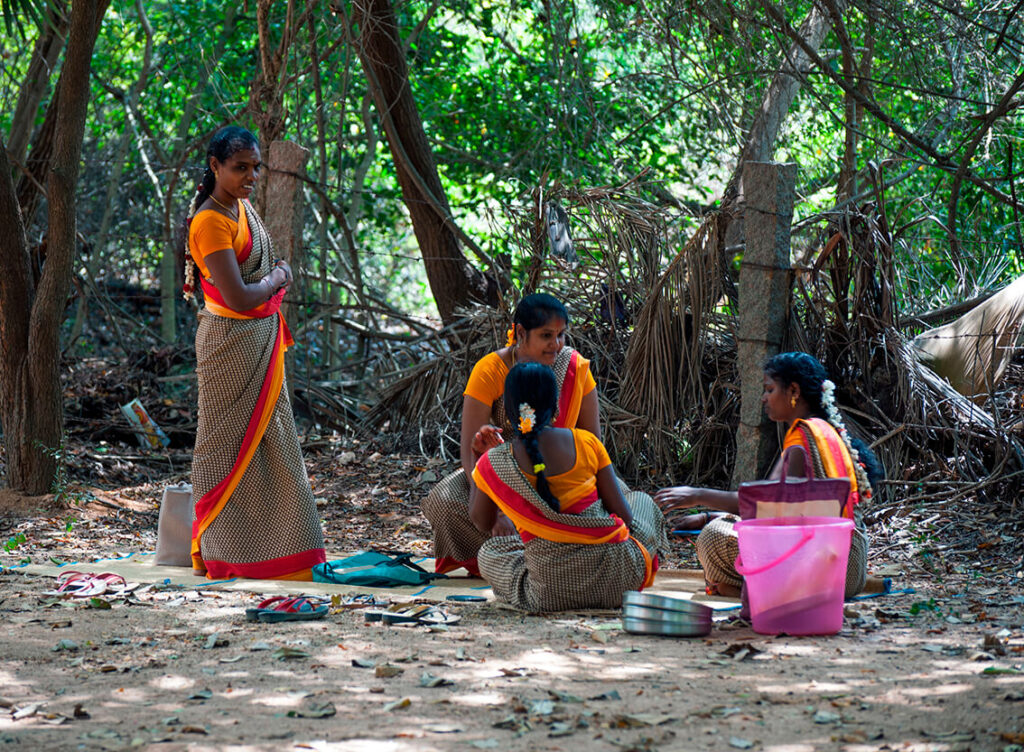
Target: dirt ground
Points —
{"points": [[941, 668]]}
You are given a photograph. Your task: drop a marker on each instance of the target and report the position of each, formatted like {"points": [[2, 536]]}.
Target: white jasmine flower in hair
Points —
{"points": [[527, 417]]}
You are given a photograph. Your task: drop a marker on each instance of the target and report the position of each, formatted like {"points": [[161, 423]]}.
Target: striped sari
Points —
{"points": [[456, 539], [255, 515], [717, 546], [583, 557]]}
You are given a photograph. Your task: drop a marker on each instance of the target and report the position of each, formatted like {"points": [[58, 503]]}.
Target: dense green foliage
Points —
{"points": [[513, 94]]}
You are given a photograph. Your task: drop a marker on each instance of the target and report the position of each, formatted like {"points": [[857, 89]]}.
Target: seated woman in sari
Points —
{"points": [[254, 511], [580, 543], [537, 335], [797, 393]]}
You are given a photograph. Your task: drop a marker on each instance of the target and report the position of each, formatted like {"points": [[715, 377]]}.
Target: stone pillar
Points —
{"points": [[282, 199], [765, 278], [283, 215]]}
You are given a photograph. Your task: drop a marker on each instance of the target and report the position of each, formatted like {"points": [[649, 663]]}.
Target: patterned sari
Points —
{"points": [[717, 545], [564, 560], [456, 539], [255, 516]]}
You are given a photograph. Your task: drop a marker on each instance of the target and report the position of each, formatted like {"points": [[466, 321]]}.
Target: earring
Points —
{"points": [[792, 402]]}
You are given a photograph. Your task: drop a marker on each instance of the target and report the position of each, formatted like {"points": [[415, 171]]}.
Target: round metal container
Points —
{"points": [[658, 614], [634, 598], [666, 628], [646, 613]]}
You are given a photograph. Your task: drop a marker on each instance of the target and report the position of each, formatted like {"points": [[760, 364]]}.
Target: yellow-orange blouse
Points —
{"points": [[581, 479], [487, 380], [211, 231]]}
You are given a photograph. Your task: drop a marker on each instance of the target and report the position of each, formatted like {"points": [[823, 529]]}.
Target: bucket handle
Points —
{"points": [[745, 572]]}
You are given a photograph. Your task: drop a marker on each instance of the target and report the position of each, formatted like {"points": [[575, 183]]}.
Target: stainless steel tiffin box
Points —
{"points": [[646, 613]]}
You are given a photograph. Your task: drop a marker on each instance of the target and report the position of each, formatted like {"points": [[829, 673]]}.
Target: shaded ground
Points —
{"points": [[938, 669]]}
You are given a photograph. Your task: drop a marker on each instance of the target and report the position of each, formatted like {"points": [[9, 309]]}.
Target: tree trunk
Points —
{"points": [[30, 395], [764, 131], [453, 280], [44, 57]]}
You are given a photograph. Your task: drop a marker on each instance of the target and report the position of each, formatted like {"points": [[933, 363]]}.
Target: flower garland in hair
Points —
{"points": [[510, 337], [828, 402], [527, 417], [189, 288]]}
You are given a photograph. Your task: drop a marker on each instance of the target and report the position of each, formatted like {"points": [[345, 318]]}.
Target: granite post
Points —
{"points": [[764, 298]]}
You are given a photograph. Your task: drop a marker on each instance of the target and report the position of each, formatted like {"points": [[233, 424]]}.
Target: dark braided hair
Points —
{"points": [[225, 142], [809, 374], [533, 385]]}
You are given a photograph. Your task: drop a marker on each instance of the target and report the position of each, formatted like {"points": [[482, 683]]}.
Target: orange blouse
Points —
{"points": [[581, 479], [487, 381], [210, 231]]}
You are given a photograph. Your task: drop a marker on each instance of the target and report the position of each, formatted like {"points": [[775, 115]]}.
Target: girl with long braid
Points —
{"points": [[579, 542], [255, 515], [538, 335], [798, 394]]}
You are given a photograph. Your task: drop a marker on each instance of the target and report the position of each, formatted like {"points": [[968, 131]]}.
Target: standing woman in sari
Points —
{"points": [[255, 515], [537, 335], [580, 542]]}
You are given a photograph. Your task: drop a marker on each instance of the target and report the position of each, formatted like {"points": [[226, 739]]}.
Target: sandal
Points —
{"points": [[361, 600], [117, 585], [78, 585], [416, 613], [287, 608]]}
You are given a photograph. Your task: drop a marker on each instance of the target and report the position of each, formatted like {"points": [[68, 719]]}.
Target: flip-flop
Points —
{"points": [[361, 600], [293, 608], [378, 614], [253, 614], [422, 613], [116, 584], [78, 585]]}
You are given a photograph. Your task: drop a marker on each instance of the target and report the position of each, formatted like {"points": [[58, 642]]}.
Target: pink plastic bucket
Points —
{"points": [[795, 572]]}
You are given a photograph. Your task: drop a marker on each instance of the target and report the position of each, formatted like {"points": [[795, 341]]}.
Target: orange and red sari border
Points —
{"points": [[532, 523], [571, 395]]}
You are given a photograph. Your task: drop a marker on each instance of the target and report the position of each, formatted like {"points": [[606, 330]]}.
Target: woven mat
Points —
{"points": [[139, 567]]}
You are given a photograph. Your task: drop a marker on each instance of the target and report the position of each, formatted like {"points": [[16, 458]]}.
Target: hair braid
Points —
{"points": [[531, 399], [532, 447]]}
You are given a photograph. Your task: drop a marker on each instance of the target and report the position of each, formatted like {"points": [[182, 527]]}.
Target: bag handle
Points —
{"points": [[808, 466], [745, 572]]}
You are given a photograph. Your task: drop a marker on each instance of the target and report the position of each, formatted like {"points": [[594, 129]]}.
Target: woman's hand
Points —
{"points": [[287, 270], [486, 438], [679, 497], [687, 497]]}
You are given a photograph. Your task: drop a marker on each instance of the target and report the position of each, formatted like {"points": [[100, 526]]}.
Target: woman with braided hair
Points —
{"points": [[538, 333], [579, 542], [798, 394], [254, 510]]}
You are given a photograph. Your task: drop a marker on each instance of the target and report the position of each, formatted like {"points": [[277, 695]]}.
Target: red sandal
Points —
{"points": [[288, 608]]}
